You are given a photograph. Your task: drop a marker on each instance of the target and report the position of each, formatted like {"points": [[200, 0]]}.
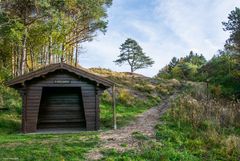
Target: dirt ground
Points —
{"points": [[145, 123]]}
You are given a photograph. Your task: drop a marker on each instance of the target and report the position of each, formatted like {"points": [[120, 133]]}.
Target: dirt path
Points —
{"points": [[144, 124]]}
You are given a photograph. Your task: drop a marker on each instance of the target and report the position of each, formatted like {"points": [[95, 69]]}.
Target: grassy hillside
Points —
{"points": [[135, 94], [193, 129]]}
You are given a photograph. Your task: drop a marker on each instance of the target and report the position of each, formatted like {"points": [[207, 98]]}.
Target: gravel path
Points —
{"points": [[144, 124]]}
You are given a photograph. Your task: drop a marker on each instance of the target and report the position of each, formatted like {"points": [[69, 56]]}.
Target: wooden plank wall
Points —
{"points": [[34, 92], [61, 107]]}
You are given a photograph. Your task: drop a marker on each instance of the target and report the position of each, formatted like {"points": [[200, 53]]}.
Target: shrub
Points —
{"points": [[162, 89], [144, 87], [9, 99], [125, 97], [174, 83], [197, 112], [216, 90], [106, 97], [232, 144]]}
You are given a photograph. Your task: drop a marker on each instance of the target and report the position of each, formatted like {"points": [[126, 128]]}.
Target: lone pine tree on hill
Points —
{"points": [[133, 54]]}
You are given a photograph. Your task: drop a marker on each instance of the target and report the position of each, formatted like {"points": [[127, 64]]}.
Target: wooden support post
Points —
{"points": [[114, 108]]}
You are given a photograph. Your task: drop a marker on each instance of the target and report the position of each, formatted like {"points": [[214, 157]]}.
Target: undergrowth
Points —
{"points": [[193, 129]]}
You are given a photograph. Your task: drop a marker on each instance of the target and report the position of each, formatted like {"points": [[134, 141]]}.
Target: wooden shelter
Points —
{"points": [[60, 96]]}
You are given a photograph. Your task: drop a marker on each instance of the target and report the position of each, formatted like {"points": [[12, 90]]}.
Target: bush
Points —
{"points": [[10, 110], [162, 89], [174, 83], [232, 144], [149, 88], [106, 97], [125, 97], [197, 112], [9, 99]]}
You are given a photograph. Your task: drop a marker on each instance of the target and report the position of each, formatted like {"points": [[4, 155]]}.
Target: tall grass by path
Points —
{"points": [[191, 130]]}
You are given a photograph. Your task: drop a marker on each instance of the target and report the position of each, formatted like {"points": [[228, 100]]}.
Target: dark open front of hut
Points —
{"points": [[60, 96]]}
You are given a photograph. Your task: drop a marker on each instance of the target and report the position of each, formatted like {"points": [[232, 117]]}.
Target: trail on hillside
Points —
{"points": [[144, 123]]}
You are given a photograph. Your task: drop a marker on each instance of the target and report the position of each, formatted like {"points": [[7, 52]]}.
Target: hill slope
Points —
{"points": [[135, 94]]}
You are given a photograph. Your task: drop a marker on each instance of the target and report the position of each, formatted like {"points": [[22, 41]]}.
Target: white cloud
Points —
{"points": [[171, 28], [197, 24]]}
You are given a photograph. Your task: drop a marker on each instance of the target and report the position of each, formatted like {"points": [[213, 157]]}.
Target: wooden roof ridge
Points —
{"points": [[80, 71]]}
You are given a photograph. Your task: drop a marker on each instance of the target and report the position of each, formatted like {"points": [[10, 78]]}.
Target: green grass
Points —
{"points": [[17, 146], [179, 140], [9, 122], [125, 113], [139, 136], [47, 147]]}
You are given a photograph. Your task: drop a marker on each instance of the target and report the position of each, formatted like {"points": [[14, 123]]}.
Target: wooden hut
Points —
{"points": [[60, 96]]}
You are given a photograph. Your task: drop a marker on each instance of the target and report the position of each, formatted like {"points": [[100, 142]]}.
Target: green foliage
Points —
{"points": [[106, 97], [189, 131], [185, 68], [186, 71], [132, 53], [144, 87], [9, 99], [233, 43], [125, 97], [33, 33], [222, 72], [10, 110]]}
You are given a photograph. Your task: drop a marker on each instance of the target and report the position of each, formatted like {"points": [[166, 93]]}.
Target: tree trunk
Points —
{"points": [[24, 52], [50, 50], [76, 55], [72, 53], [32, 61], [41, 56], [62, 57], [132, 70], [18, 60], [13, 60]]}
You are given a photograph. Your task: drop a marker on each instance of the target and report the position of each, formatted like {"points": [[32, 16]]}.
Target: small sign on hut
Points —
{"points": [[60, 96]]}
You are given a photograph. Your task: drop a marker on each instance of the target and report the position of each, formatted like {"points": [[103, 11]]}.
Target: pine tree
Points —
{"points": [[233, 26], [133, 54]]}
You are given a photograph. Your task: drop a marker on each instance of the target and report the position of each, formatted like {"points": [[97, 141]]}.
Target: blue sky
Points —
{"points": [[163, 28]]}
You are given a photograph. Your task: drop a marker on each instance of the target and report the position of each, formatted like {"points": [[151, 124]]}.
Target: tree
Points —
{"points": [[173, 63], [133, 54], [233, 25], [183, 68], [233, 43], [222, 71], [36, 33]]}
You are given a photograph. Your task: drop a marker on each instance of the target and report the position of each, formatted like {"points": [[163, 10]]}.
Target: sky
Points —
{"points": [[163, 28]]}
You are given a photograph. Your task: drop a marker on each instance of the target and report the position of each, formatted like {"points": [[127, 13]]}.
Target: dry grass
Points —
{"points": [[218, 119], [197, 108]]}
